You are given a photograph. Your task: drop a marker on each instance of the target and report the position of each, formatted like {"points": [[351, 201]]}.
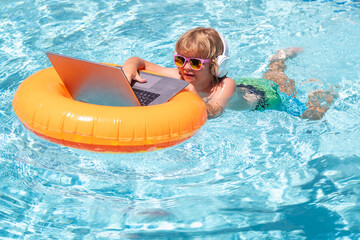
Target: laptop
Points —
{"points": [[101, 84]]}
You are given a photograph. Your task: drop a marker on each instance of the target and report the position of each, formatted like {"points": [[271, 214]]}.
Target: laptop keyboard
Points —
{"points": [[145, 97]]}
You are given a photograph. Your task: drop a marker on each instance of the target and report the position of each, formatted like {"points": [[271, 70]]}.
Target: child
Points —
{"points": [[201, 56]]}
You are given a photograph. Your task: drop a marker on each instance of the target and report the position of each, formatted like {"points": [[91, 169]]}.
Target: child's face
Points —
{"points": [[196, 77]]}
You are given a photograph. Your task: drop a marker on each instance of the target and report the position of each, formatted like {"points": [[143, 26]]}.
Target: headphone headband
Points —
{"points": [[223, 59], [225, 46]]}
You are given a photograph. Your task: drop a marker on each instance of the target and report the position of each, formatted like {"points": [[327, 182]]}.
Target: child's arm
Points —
{"points": [[134, 64], [221, 97], [218, 100]]}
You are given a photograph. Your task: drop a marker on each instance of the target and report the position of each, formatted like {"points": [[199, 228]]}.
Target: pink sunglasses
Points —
{"points": [[195, 63]]}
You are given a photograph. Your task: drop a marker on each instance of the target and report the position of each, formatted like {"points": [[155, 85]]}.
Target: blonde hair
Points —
{"points": [[205, 43]]}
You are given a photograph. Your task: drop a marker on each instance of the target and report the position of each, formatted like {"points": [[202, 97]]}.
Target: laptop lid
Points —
{"points": [[102, 84]]}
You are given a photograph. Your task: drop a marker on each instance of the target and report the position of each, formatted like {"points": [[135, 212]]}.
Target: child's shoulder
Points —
{"points": [[229, 82], [227, 86]]}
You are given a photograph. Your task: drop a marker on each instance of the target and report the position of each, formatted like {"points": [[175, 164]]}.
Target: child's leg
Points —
{"points": [[319, 102], [276, 71]]}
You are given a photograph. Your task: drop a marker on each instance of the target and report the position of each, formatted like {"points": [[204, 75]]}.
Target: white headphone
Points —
{"points": [[223, 59]]}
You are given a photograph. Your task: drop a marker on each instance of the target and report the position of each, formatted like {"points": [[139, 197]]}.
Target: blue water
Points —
{"points": [[245, 175]]}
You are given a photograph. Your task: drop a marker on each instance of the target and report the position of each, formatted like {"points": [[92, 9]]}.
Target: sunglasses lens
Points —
{"points": [[179, 61], [195, 64]]}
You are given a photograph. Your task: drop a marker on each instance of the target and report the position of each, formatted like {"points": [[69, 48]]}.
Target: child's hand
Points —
{"points": [[134, 76], [130, 69]]}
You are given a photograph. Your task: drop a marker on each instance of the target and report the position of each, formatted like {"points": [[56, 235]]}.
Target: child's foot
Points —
{"points": [[286, 53]]}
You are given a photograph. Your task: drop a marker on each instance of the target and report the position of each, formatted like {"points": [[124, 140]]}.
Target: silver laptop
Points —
{"points": [[102, 84]]}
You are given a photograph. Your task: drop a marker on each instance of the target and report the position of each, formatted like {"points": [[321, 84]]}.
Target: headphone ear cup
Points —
{"points": [[222, 61]]}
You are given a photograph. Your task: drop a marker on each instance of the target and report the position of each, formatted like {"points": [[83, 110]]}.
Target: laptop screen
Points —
{"points": [[102, 84]]}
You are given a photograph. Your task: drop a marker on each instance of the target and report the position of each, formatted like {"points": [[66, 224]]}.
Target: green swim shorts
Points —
{"points": [[268, 90]]}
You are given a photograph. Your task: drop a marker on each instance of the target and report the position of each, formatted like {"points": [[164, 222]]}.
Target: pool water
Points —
{"points": [[246, 175]]}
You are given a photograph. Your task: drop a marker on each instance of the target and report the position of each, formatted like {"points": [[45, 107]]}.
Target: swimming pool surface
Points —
{"points": [[245, 175]]}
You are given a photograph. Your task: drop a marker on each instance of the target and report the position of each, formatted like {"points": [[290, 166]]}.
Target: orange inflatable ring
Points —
{"points": [[45, 106]]}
